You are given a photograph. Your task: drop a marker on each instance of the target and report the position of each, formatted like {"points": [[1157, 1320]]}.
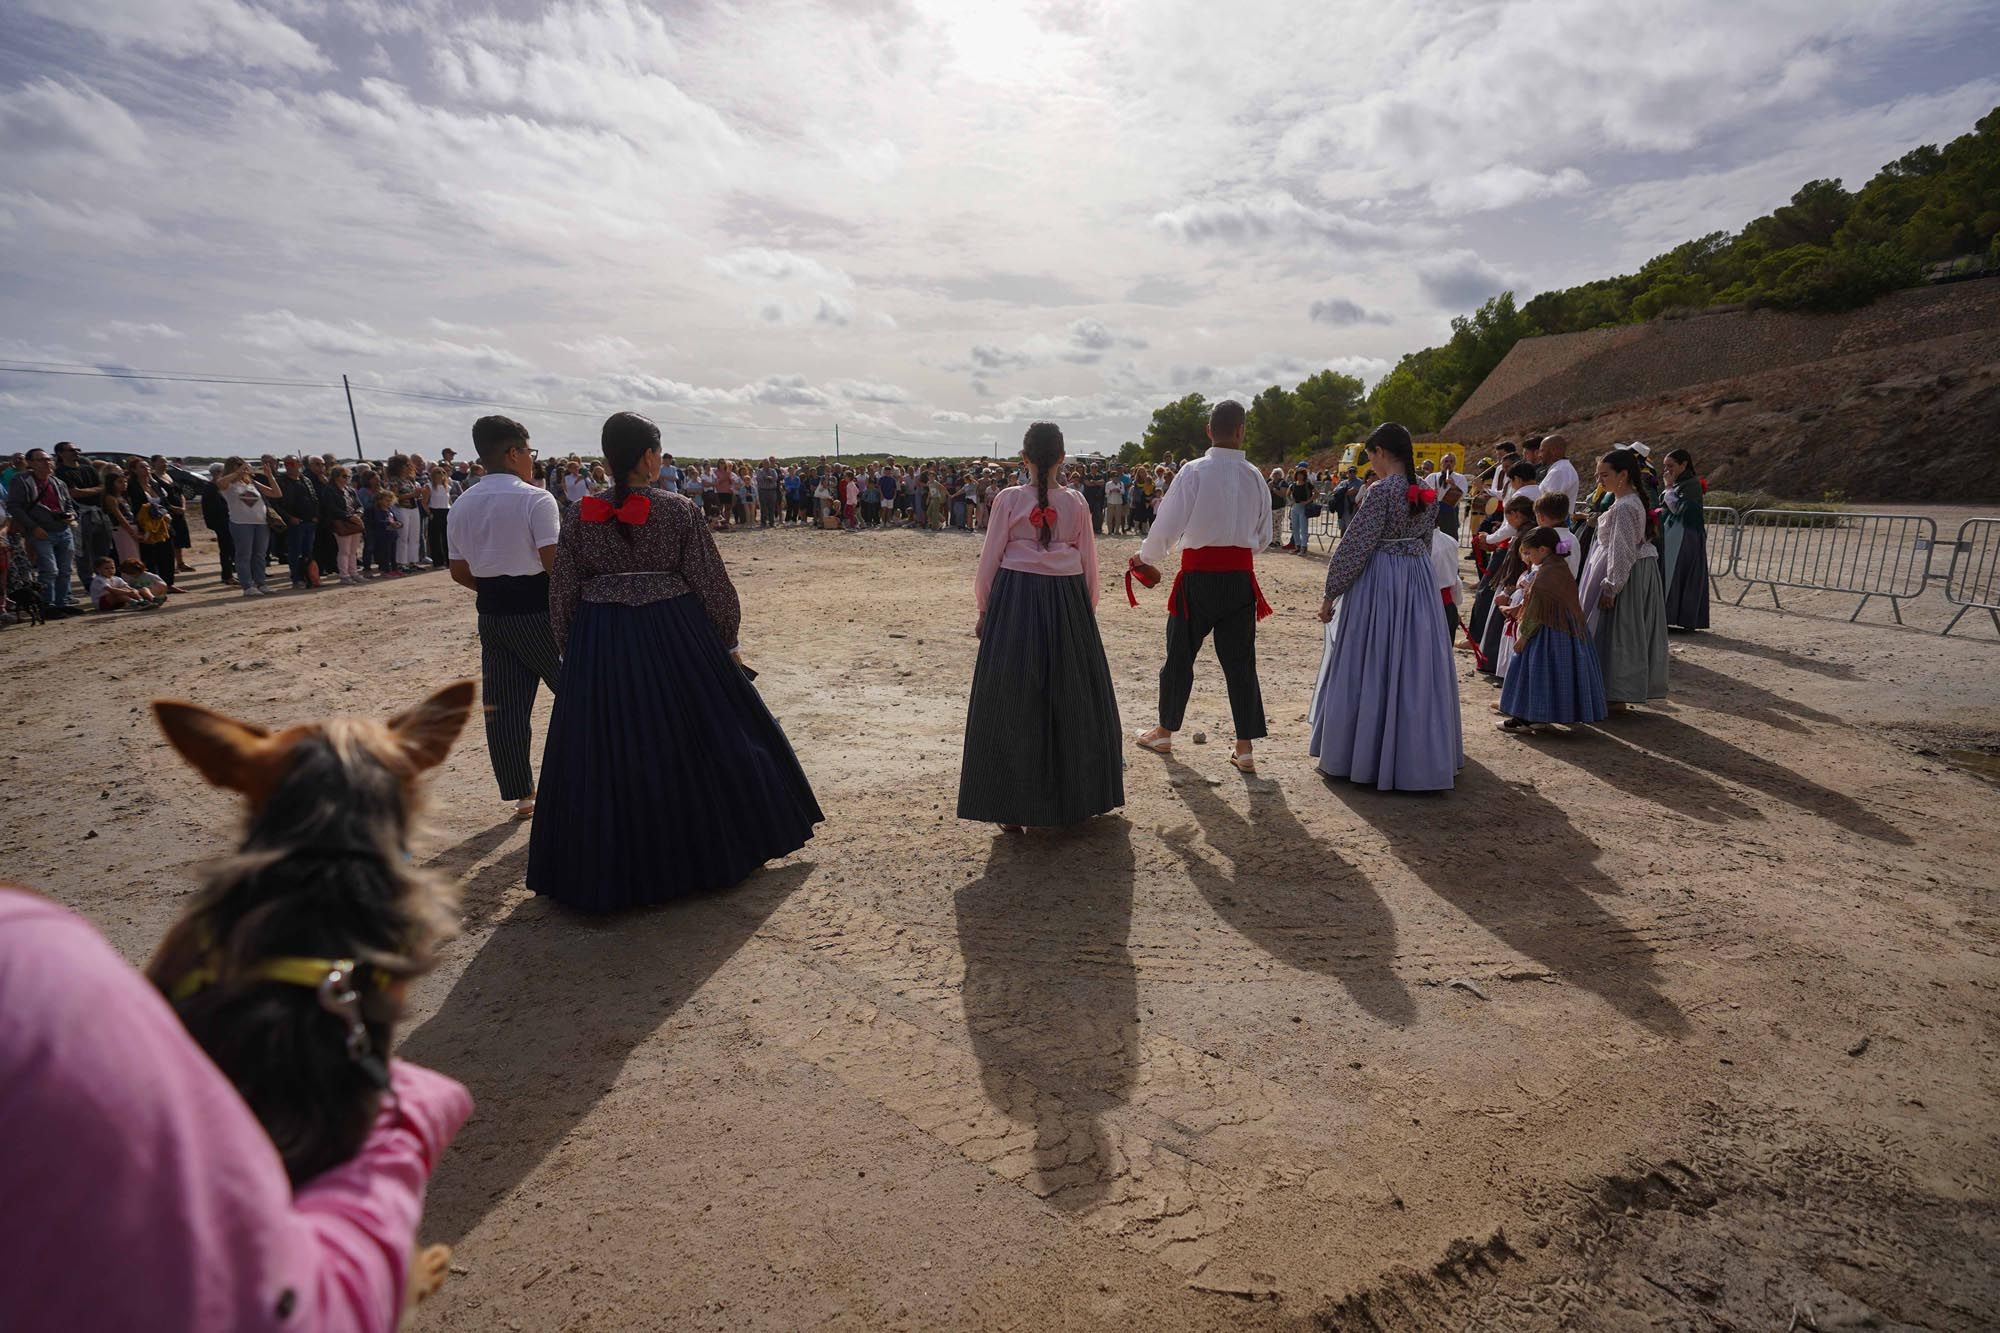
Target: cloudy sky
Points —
{"points": [[930, 221]]}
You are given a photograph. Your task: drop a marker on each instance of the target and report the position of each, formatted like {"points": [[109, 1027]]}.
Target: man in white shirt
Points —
{"points": [[1219, 511], [1561, 478], [502, 538]]}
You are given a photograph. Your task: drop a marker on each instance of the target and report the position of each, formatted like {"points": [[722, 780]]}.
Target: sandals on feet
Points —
{"points": [[524, 808], [1161, 745], [1244, 763]]}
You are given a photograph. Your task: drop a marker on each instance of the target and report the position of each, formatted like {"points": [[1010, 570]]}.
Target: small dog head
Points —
{"points": [[323, 874]]}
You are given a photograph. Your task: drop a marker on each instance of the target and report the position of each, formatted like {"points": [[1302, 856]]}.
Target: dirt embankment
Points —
{"points": [[1897, 402]]}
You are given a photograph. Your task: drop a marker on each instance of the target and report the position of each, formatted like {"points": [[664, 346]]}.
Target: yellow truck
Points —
{"points": [[1428, 457]]}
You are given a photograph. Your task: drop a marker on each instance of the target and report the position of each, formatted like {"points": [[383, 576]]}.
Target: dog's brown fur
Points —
{"points": [[323, 872]]}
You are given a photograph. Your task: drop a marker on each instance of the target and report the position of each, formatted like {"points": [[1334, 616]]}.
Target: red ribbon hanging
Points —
{"points": [[1042, 518]]}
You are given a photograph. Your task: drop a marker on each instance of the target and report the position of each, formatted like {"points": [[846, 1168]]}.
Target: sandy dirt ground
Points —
{"points": [[1686, 1021]]}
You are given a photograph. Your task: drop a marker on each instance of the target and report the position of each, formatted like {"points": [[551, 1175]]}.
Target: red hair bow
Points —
{"points": [[597, 509], [1424, 494], [1042, 518]]}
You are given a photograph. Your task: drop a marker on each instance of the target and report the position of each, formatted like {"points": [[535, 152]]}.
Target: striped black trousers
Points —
{"points": [[516, 654]]}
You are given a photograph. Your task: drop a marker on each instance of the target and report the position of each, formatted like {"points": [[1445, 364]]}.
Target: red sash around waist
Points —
{"points": [[1209, 560]]}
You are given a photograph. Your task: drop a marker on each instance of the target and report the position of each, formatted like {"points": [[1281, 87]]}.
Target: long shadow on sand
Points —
{"points": [[1783, 656], [1536, 891], [1290, 893], [1705, 752], [546, 1015], [1705, 687], [1051, 998]]}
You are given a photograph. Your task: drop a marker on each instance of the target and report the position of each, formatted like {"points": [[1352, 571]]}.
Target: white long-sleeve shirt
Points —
{"points": [[1561, 477], [1219, 499]]}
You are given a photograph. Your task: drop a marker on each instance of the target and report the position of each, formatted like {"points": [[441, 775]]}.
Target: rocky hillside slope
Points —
{"points": [[1898, 401]]}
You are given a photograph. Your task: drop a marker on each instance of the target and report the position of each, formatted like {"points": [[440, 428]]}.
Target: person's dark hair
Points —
{"points": [[1522, 471], [38, 451], [493, 437], [1553, 505], [1634, 468], [1395, 441], [1532, 442], [1521, 504], [1552, 602], [1681, 456], [627, 437], [1043, 448], [1226, 419]]}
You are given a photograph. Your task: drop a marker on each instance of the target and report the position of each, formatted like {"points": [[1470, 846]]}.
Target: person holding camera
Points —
{"points": [[42, 506]]}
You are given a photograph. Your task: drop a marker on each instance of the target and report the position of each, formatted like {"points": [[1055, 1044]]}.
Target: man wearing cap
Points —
{"points": [[502, 537], [1218, 510]]}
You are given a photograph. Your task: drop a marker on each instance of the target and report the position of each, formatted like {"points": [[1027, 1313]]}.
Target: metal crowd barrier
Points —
{"points": [[1973, 580], [1721, 551], [1870, 555]]}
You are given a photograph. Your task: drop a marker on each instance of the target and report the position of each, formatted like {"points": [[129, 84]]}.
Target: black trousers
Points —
{"points": [[1223, 603], [158, 557], [225, 546], [516, 654], [440, 547]]}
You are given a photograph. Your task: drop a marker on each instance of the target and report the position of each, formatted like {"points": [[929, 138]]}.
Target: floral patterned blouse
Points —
{"points": [[1383, 523], [670, 554]]}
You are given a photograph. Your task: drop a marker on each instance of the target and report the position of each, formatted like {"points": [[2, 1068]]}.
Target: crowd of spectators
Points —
{"points": [[320, 521]]}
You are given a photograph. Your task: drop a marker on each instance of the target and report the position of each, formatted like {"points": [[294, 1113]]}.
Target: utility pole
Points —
{"points": [[836, 441], [351, 419]]}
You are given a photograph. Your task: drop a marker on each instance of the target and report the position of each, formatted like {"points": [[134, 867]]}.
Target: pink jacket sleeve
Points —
{"points": [[1086, 546], [358, 1222], [997, 523], [130, 1154]]}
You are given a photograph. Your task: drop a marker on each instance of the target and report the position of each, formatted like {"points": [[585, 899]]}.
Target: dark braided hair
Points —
{"points": [[1627, 462], [1395, 441], [1043, 448], [627, 438]]}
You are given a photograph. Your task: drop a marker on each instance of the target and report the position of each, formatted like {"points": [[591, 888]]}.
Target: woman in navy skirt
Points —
{"points": [[1042, 743], [657, 717], [1555, 676]]}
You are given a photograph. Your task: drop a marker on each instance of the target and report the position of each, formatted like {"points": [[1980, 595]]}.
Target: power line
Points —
{"points": [[169, 379]]}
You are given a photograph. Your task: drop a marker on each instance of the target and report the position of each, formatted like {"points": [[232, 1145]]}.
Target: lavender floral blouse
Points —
{"points": [[671, 553], [1383, 523]]}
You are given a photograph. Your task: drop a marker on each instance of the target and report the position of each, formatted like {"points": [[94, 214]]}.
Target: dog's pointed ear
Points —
{"points": [[228, 753], [427, 731]]}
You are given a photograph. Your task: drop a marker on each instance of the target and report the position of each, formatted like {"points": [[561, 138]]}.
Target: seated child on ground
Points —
{"points": [[109, 592]]}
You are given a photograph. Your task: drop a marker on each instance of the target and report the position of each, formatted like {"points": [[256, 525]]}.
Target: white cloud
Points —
{"points": [[225, 30], [757, 266], [1504, 185], [287, 334], [48, 117], [125, 330], [1279, 217]]}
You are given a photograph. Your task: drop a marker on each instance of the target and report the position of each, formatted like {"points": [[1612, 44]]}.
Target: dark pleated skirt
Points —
{"points": [[656, 729], [1482, 607], [1556, 678], [1687, 583], [1042, 739], [1489, 637]]}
